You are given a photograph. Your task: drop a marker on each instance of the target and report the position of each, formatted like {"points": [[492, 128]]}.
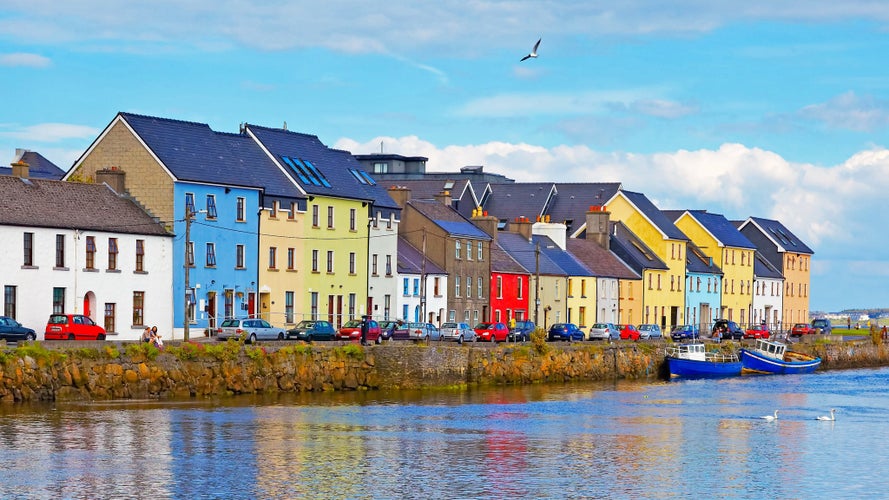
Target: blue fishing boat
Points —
{"points": [[769, 356], [694, 361]]}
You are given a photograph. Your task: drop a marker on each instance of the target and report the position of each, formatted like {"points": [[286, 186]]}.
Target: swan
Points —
{"points": [[831, 418], [770, 417]]}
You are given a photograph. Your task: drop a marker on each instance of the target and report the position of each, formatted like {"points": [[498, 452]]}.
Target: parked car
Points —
{"points": [[564, 331], [684, 332], [757, 332], [823, 324], [522, 331], [492, 332], [727, 330], [604, 331], [650, 331], [249, 329], [352, 331], [12, 330], [310, 330], [801, 329], [72, 327], [386, 329], [629, 332], [416, 331], [460, 332]]}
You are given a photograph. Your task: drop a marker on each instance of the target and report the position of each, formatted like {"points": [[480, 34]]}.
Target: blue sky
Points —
{"points": [[773, 109]]}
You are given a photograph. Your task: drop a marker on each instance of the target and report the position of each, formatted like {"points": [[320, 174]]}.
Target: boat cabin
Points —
{"points": [[771, 349], [695, 352]]}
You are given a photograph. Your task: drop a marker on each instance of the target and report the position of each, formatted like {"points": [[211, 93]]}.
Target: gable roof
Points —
{"points": [[72, 205], [762, 268], [38, 166], [410, 260], [632, 250], [525, 253], [502, 261], [785, 240], [654, 215], [603, 263], [570, 265], [696, 261], [192, 152], [718, 226], [451, 221]]}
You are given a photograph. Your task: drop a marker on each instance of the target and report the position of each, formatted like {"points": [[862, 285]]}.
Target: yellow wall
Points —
{"points": [[796, 289], [281, 232], [631, 305], [581, 294]]}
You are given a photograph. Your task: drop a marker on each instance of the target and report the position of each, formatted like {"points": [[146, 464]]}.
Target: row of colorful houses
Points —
{"points": [[272, 223]]}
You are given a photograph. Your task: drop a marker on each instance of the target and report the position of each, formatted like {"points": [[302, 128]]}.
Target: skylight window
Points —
{"points": [[306, 172], [362, 177], [316, 173], [296, 170]]}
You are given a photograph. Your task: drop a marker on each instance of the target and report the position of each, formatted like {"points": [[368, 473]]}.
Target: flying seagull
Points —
{"points": [[533, 51]]}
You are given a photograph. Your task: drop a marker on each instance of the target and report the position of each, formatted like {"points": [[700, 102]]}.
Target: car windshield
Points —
{"points": [[305, 324], [449, 325], [229, 323], [646, 327], [800, 325], [352, 324], [482, 326], [600, 325]]}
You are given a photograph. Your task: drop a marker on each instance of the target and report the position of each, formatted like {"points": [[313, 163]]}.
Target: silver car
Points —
{"points": [[650, 331], [460, 332], [249, 329], [604, 331], [416, 331]]}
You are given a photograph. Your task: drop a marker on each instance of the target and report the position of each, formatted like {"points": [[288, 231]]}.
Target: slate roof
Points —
{"points": [[523, 251], [603, 263], [696, 261], [502, 262], [717, 225], [448, 219], [38, 167], [644, 205], [426, 189], [192, 152], [563, 259], [630, 249], [72, 205], [410, 260], [778, 233], [762, 268]]}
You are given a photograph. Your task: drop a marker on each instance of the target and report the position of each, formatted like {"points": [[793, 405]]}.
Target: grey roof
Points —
{"points": [[502, 262], [38, 167], [524, 252], [570, 265], [410, 260], [696, 261], [448, 219], [783, 237], [716, 224], [603, 263], [72, 205], [762, 268], [632, 250], [644, 205]]}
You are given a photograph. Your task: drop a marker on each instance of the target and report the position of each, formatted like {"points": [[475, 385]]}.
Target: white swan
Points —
{"points": [[770, 417], [831, 418]]}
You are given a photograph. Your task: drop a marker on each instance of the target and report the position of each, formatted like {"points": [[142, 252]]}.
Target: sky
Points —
{"points": [[776, 109]]}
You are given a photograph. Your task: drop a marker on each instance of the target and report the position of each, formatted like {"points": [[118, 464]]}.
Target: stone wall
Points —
{"points": [[118, 371]]}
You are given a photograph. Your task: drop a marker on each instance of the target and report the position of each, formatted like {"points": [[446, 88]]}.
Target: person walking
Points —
{"points": [[364, 327]]}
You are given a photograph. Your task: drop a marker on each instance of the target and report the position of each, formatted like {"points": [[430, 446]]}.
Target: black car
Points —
{"points": [[726, 329], [521, 332], [310, 330], [12, 330], [565, 331]]}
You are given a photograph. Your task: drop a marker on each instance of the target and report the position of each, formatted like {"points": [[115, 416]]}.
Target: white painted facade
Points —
{"points": [[607, 300], [88, 291], [768, 303], [385, 283], [410, 305]]}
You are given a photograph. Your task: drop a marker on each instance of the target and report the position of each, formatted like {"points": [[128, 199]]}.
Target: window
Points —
{"points": [[390, 220], [273, 210], [330, 262], [387, 304], [481, 288], [456, 286], [28, 244], [481, 254], [211, 255], [557, 295], [416, 287], [381, 168], [457, 249], [570, 287], [520, 286], [273, 257], [314, 306], [373, 265], [112, 254], [583, 291], [353, 299], [138, 308], [352, 220], [288, 307], [315, 209], [291, 258], [140, 256], [468, 287], [190, 301], [452, 315], [436, 286], [352, 257], [329, 217], [9, 301], [404, 310], [388, 265], [189, 251], [60, 250], [468, 250], [211, 206], [109, 317], [241, 208], [499, 287], [189, 204], [90, 252], [405, 282], [58, 300], [314, 261], [229, 306], [239, 257]]}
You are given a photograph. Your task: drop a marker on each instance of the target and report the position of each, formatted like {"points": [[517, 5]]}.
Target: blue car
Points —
{"points": [[684, 332], [565, 331]]}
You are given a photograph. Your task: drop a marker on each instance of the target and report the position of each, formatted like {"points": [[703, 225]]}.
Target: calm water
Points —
{"points": [[696, 439]]}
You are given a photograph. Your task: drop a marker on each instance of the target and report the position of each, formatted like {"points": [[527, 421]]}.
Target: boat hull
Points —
{"points": [[690, 368], [754, 362]]}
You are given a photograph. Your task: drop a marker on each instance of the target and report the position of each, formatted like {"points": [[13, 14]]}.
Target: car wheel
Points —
{"points": [[101, 336], [252, 339], [280, 335], [70, 336], [379, 340], [30, 336], [460, 339], [310, 337]]}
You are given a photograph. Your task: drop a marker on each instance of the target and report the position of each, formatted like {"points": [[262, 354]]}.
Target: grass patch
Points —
{"points": [[36, 350], [142, 349], [223, 351], [353, 351]]}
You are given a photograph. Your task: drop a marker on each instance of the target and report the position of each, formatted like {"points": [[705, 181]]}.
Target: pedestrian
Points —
{"points": [[512, 323], [146, 334], [364, 327]]}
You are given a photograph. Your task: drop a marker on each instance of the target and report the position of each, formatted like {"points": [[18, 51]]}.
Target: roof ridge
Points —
{"points": [[172, 120]]}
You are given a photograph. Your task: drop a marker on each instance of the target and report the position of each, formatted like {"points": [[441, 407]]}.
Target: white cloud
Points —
{"points": [[51, 132], [24, 59], [850, 111]]}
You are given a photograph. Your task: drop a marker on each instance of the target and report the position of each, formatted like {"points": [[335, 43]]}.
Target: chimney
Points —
{"points": [[400, 195], [114, 177], [485, 222], [597, 219], [521, 225], [444, 197], [20, 168]]}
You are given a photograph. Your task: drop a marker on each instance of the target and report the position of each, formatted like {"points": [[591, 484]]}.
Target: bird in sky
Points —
{"points": [[533, 51], [771, 417]]}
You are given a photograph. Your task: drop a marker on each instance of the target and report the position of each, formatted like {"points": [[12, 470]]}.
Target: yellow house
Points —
{"points": [[281, 268], [733, 252], [662, 288]]}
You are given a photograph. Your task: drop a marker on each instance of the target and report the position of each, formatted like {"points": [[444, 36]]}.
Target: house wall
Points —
{"points": [[283, 232], [703, 299], [384, 242], [607, 301], [768, 304], [630, 301], [553, 302], [509, 304], [582, 300], [797, 279]]}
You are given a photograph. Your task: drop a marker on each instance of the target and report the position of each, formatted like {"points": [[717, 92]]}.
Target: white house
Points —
{"points": [[81, 248], [420, 277]]}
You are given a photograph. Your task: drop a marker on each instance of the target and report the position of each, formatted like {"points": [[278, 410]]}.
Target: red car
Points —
{"points": [[492, 332], [72, 327], [757, 332], [352, 331], [629, 332], [801, 329]]}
